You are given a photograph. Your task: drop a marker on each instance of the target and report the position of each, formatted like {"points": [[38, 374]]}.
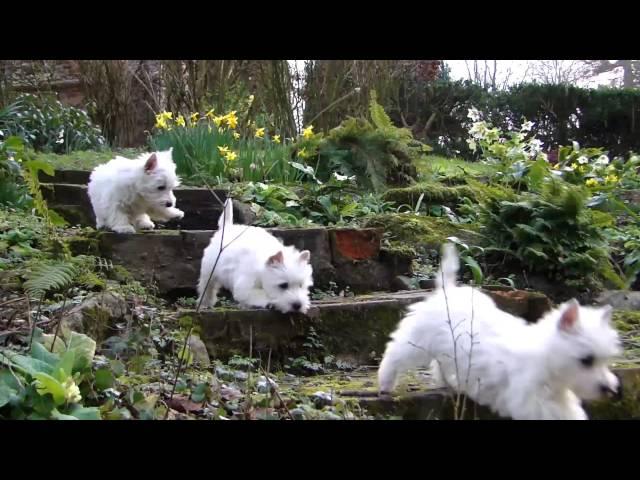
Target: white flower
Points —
{"points": [[535, 145], [253, 166], [357, 89], [602, 160], [71, 391], [472, 144], [582, 160], [342, 178], [526, 127], [568, 168], [576, 146], [474, 114]]}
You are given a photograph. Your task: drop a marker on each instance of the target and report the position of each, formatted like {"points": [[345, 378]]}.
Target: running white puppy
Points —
{"points": [[522, 371], [125, 194], [256, 267]]}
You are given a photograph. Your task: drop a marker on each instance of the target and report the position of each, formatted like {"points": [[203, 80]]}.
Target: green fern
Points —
{"points": [[378, 116], [30, 175], [43, 278]]}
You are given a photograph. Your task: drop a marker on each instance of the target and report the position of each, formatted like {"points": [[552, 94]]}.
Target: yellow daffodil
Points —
{"points": [[250, 99], [209, 114], [224, 150], [260, 132], [574, 165], [302, 153], [231, 156], [592, 182], [611, 178], [194, 117], [308, 132], [231, 119], [236, 135], [218, 120], [180, 121], [276, 138], [161, 119]]}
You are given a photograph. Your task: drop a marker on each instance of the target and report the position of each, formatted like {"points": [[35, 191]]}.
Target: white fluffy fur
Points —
{"points": [[255, 266], [519, 370], [126, 194]]}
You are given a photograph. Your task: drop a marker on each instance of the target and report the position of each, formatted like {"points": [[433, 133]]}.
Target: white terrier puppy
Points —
{"points": [[126, 194], [255, 267], [538, 371]]}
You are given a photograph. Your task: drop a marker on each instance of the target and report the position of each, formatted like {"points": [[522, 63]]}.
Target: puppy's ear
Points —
{"points": [[151, 163], [569, 317], [276, 259], [305, 255]]}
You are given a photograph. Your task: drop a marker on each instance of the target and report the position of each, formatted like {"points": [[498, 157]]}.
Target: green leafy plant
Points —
{"points": [[553, 233], [374, 151], [46, 124], [48, 384], [13, 192]]}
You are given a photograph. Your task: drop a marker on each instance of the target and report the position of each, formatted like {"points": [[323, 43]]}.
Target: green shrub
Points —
{"points": [[47, 125], [553, 233], [374, 151]]}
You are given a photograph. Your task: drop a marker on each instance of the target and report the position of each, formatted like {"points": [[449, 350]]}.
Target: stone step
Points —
{"points": [[201, 207], [77, 177], [354, 327], [415, 399], [170, 260]]}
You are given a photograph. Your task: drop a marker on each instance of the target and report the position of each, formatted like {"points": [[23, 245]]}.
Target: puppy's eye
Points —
{"points": [[161, 187], [588, 361], [284, 286]]}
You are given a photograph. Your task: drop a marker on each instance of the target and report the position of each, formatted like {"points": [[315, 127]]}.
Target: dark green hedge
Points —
{"points": [[606, 117]]}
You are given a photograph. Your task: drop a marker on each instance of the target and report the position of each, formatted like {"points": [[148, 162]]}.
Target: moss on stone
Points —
{"points": [[408, 231], [626, 321], [625, 409], [83, 245], [433, 193]]}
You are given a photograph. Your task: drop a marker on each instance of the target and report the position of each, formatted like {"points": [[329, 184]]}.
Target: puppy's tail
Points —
{"points": [[226, 219], [449, 266]]}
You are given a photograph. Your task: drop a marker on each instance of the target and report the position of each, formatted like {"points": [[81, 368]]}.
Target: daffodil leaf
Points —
{"points": [[47, 384], [6, 393], [66, 365], [84, 348], [86, 413], [38, 351], [56, 415]]}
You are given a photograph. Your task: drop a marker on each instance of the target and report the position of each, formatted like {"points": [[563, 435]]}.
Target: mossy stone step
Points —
{"points": [[202, 208], [170, 260], [356, 327], [415, 399]]}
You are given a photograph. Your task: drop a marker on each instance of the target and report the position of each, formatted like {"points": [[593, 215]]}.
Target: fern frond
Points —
{"points": [[46, 277]]}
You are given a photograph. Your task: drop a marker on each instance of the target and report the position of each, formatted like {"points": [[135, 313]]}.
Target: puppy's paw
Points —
{"points": [[146, 225], [176, 213], [124, 229]]}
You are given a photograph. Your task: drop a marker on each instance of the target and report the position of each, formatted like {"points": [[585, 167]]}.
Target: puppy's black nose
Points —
{"points": [[613, 393], [296, 306], [168, 204]]}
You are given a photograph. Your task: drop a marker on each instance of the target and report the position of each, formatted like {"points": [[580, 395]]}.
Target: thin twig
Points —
{"points": [[13, 300], [55, 335], [275, 390]]}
